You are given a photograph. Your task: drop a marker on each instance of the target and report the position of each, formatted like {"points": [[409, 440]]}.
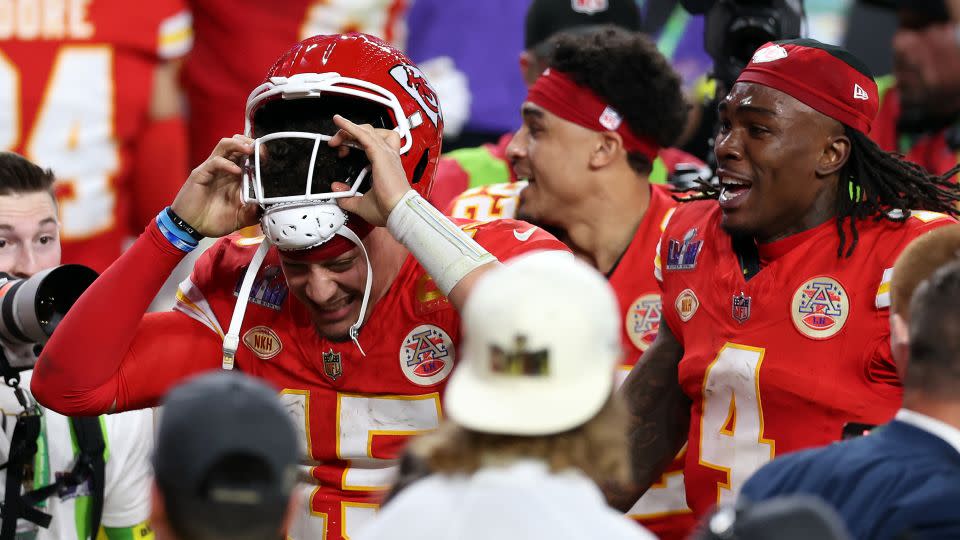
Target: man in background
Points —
{"points": [[588, 180], [237, 41], [30, 243], [920, 112], [485, 165], [226, 461]]}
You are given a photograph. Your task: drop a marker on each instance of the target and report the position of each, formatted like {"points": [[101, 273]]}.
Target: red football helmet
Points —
{"points": [[359, 66], [299, 218]]}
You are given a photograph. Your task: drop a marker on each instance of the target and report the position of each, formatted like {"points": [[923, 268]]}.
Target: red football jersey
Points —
{"points": [[663, 509], [75, 88], [238, 41], [780, 362], [354, 412]]}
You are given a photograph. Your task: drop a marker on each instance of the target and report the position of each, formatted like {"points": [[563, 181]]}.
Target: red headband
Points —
{"points": [[336, 246], [818, 78], [557, 93]]}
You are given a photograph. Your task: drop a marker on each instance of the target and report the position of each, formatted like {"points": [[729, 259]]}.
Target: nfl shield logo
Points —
{"points": [[589, 7], [331, 364], [741, 308]]}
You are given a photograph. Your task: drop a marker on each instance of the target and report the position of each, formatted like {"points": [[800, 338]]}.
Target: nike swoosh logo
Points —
{"points": [[524, 236]]}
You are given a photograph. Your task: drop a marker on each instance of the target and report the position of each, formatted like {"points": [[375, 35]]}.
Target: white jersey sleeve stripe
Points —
{"points": [[176, 36], [657, 270], [883, 291], [190, 301]]}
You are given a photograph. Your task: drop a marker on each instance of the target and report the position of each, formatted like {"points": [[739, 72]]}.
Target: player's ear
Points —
{"points": [[606, 146], [900, 343], [836, 152]]}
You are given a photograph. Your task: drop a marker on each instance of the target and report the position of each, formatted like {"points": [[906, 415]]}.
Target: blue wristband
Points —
{"points": [[163, 218], [180, 239]]}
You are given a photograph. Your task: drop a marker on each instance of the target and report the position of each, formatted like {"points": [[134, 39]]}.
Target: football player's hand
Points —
{"points": [[382, 147], [209, 201]]}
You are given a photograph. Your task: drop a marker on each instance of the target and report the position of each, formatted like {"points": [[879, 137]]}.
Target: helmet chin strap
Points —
{"points": [[278, 231]]}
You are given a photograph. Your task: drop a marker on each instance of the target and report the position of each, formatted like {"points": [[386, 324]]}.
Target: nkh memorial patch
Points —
{"points": [[263, 341], [686, 304], [426, 355], [820, 308]]}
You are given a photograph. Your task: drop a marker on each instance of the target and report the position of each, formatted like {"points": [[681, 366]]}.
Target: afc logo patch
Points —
{"points": [[820, 308], [643, 320], [426, 355]]}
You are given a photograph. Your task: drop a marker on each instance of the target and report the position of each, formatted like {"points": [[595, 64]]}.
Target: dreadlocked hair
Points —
{"points": [[874, 184], [886, 186]]}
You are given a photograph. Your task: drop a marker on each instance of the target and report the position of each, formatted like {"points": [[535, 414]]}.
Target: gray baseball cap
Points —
{"points": [[225, 457]]}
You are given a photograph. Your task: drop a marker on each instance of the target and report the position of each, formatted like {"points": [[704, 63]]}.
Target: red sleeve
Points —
{"points": [[508, 238], [166, 348], [450, 180], [89, 359]]}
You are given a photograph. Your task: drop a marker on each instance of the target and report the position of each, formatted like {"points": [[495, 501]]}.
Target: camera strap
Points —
{"points": [[90, 464], [23, 449]]}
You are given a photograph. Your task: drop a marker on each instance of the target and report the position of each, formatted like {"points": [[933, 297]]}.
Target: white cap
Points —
{"points": [[541, 345]]}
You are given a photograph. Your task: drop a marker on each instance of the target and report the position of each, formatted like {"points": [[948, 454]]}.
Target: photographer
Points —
{"points": [[40, 449], [733, 29]]}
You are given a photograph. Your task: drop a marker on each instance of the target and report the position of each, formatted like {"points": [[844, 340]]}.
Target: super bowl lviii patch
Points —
{"points": [[643, 320], [820, 308], [682, 254], [426, 355], [269, 288]]}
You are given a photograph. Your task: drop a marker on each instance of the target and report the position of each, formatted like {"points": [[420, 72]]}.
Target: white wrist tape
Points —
{"points": [[443, 249]]}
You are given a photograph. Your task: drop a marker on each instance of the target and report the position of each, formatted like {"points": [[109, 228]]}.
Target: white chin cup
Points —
{"points": [[293, 226]]}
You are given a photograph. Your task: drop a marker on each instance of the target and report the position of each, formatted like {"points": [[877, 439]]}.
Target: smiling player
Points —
{"points": [[775, 322]]}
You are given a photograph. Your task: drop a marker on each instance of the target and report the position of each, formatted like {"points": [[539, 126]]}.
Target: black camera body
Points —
{"points": [[31, 308], [734, 29]]}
